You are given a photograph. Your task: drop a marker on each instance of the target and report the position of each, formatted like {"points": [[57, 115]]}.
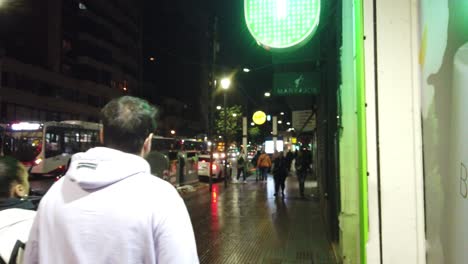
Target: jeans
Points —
{"points": [[239, 171], [263, 173]]}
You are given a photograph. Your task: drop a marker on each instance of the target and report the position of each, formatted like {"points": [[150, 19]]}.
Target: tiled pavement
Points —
{"points": [[245, 223]]}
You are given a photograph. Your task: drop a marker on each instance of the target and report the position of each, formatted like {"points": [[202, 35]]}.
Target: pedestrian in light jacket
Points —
{"points": [[264, 163]]}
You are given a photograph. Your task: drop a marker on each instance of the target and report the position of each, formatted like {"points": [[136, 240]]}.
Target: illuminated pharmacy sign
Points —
{"points": [[281, 24]]}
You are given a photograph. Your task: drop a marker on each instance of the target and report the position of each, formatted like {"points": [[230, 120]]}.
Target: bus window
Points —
{"points": [[88, 139], [24, 146], [71, 140], [53, 143]]}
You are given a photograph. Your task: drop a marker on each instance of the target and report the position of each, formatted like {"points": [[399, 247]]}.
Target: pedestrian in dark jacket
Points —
{"points": [[241, 167], [254, 163], [289, 159], [303, 161], [280, 172]]}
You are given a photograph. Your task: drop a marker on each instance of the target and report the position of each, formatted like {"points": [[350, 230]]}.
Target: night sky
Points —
{"points": [[176, 34]]}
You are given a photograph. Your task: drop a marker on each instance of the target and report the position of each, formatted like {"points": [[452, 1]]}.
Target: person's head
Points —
{"points": [[128, 125], [13, 178]]}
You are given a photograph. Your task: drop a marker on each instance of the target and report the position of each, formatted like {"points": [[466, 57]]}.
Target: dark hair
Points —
{"points": [[10, 173], [127, 122]]}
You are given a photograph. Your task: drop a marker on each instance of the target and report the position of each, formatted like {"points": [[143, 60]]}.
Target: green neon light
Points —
{"points": [[282, 24], [362, 135]]}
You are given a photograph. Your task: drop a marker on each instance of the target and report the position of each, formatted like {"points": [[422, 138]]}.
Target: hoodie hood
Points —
{"points": [[100, 167]]}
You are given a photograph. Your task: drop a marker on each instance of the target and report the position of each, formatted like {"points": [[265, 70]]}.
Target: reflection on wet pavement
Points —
{"points": [[245, 223]]}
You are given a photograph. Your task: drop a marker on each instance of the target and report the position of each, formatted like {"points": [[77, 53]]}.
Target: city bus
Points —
{"points": [[175, 160], [46, 148]]}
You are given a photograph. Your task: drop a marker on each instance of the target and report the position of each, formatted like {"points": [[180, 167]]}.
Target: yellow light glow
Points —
{"points": [[259, 117]]}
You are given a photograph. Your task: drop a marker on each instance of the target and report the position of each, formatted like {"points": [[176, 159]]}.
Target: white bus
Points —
{"points": [[46, 148]]}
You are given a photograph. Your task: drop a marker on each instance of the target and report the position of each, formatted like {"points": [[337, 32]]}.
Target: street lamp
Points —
{"points": [[252, 124], [172, 132], [282, 113], [218, 107], [225, 83], [267, 94], [246, 70], [234, 115]]}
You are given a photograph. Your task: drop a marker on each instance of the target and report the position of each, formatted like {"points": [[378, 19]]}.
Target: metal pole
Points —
{"points": [[225, 139], [244, 135], [275, 132], [210, 97]]}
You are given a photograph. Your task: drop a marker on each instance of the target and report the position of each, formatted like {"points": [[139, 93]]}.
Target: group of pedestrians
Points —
{"points": [[281, 165], [108, 208]]}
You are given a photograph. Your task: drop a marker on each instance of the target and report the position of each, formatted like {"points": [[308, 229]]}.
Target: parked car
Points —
{"points": [[204, 162]]}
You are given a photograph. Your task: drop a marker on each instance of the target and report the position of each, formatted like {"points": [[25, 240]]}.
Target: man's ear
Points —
{"points": [[147, 145], [20, 191]]}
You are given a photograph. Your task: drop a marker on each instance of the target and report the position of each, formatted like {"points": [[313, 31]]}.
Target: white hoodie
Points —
{"points": [[15, 224], [109, 209]]}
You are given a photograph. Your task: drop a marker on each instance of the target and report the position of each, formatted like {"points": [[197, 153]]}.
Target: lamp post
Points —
{"points": [[225, 83]]}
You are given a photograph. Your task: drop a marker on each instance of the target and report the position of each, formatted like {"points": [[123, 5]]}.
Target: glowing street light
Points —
{"points": [[267, 94], [288, 123], [152, 59], [234, 115], [280, 122], [225, 83], [172, 132], [282, 113], [246, 70], [252, 124], [218, 107]]}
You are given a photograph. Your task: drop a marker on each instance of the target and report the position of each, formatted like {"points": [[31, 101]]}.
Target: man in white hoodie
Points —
{"points": [[108, 208]]}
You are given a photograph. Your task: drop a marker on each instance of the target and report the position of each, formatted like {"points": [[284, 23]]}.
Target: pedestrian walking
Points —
{"points": [[264, 164], [16, 211], [241, 167], [108, 208], [254, 163], [302, 166], [289, 159], [280, 172]]}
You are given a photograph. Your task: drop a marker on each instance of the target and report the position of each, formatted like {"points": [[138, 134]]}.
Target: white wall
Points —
{"points": [[399, 133], [444, 87], [373, 243]]}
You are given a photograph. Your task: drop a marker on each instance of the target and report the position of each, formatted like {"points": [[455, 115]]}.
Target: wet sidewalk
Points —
{"points": [[245, 223]]}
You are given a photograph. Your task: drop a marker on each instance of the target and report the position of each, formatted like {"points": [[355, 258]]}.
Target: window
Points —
{"points": [[53, 144]]}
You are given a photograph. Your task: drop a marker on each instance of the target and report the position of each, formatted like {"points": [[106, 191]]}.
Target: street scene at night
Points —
{"points": [[248, 131]]}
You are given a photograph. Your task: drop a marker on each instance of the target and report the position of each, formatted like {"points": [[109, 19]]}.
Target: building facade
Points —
{"points": [[64, 59]]}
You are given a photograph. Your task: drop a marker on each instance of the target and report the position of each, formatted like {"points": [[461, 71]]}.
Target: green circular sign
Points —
{"points": [[281, 24]]}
